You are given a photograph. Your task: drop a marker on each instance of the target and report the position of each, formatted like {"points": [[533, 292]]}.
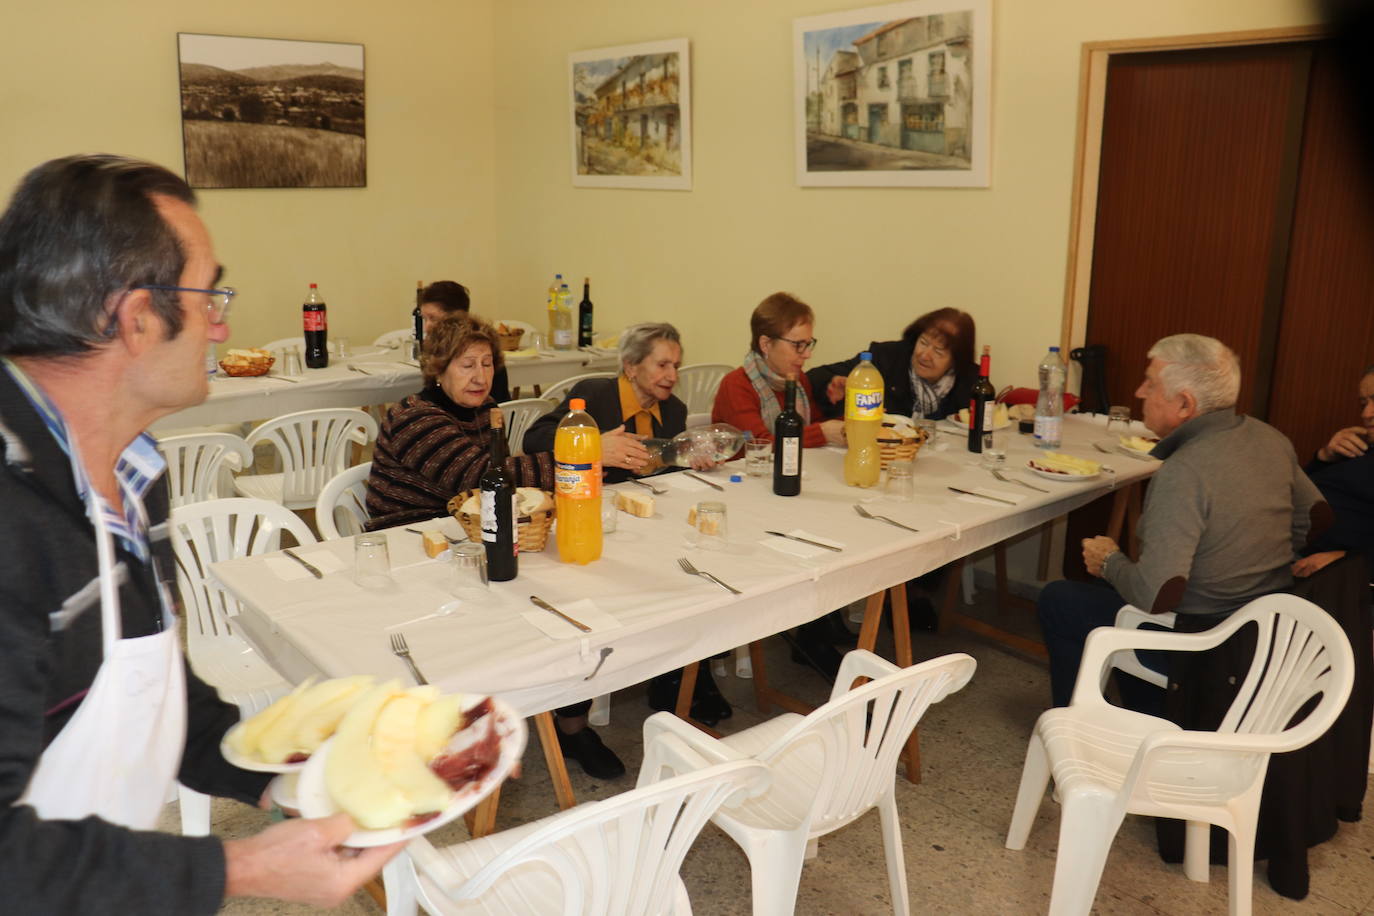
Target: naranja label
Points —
{"points": [[864, 404], [577, 481]]}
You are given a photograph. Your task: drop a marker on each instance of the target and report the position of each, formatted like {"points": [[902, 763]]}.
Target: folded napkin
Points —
{"points": [[797, 548], [288, 569], [555, 627], [994, 493], [685, 484]]}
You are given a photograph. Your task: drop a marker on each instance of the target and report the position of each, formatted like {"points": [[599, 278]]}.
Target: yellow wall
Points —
{"points": [[869, 260], [102, 77]]}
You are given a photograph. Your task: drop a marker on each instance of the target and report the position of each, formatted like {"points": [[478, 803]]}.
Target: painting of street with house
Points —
{"points": [[631, 110], [894, 95], [272, 113]]}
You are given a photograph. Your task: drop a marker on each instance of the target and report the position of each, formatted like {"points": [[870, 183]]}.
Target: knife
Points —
{"points": [[540, 602], [1009, 502], [358, 369], [710, 483], [793, 537], [313, 571]]}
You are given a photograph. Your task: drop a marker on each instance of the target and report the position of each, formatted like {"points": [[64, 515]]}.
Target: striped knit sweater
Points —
{"points": [[429, 450]]}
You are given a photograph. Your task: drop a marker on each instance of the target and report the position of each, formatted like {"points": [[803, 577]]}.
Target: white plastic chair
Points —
{"points": [[195, 463], [395, 340], [829, 768], [204, 533], [341, 510], [556, 392], [1131, 617], [616, 857], [519, 414], [313, 445], [696, 385], [1107, 761]]}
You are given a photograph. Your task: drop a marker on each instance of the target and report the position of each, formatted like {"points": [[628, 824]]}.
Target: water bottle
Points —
{"points": [[1049, 405], [564, 334]]}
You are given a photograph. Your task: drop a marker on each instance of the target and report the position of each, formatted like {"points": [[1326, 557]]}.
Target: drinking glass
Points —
{"points": [[469, 571], [758, 457], [291, 359], [533, 340], [710, 532], [995, 454], [341, 348], [900, 485], [610, 515], [372, 561], [1118, 421], [934, 441]]}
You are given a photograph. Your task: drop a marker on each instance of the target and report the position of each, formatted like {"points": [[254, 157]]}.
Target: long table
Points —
{"points": [[386, 376]]}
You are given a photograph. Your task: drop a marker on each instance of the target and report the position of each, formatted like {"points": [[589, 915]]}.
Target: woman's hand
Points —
{"points": [[835, 389], [834, 432], [620, 449], [1317, 561], [1347, 443]]}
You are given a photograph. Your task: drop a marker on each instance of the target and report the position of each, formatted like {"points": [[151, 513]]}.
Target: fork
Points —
{"points": [[445, 536], [691, 570], [1002, 477], [402, 651], [658, 491], [882, 518]]}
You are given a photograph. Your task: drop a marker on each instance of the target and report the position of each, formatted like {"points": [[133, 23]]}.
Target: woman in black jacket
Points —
{"points": [[927, 374]]}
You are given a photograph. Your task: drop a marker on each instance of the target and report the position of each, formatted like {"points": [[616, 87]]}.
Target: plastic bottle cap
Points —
{"points": [[1054, 349], [577, 404], [736, 478], [866, 355]]}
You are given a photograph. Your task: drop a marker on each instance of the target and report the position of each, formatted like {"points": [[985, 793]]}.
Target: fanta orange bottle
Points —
{"points": [[577, 485], [863, 417]]}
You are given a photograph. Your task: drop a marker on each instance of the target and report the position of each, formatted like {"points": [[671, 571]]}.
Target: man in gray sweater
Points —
{"points": [[1224, 518]]}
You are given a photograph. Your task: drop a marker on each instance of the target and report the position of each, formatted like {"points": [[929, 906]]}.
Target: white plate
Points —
{"points": [[315, 800], [1059, 476], [951, 424], [1131, 452], [252, 763]]}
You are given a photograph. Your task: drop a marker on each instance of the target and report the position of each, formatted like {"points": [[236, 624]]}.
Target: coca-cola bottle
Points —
{"points": [[313, 317]]}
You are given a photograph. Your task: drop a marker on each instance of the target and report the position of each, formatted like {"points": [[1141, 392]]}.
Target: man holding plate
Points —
{"points": [[108, 299], [1224, 517]]}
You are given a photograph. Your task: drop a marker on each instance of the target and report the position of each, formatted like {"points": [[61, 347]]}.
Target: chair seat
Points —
{"points": [[526, 890], [238, 673], [269, 487], [788, 799]]}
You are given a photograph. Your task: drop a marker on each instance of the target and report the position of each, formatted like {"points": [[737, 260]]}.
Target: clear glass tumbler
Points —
{"points": [[758, 457], [900, 485], [610, 515], [1118, 421], [372, 561], [469, 571], [710, 532]]}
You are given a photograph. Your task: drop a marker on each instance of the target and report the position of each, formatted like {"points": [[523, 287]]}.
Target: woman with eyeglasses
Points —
{"points": [[780, 343], [928, 374]]}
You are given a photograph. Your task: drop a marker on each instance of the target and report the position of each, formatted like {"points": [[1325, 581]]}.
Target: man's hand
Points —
{"points": [[835, 389], [302, 861], [620, 449], [1095, 553], [1350, 442], [834, 432], [1317, 561]]}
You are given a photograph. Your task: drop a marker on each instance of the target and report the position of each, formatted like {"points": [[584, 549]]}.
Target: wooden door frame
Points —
{"points": [[1092, 96]]}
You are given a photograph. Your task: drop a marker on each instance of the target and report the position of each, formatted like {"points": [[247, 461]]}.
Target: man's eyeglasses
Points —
{"points": [[217, 307], [802, 346]]}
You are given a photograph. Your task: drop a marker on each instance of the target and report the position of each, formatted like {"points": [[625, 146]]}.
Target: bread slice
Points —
{"points": [[637, 504]]}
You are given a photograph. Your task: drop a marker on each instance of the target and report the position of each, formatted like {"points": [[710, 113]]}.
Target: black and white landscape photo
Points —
{"points": [[272, 113]]}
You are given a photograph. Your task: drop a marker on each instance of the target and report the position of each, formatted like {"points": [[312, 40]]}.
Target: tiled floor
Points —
{"points": [[953, 822]]}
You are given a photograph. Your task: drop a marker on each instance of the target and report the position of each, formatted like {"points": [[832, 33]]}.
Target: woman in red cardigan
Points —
{"points": [[780, 343]]}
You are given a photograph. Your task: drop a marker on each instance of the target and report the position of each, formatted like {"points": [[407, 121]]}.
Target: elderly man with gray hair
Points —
{"points": [[1225, 515]]}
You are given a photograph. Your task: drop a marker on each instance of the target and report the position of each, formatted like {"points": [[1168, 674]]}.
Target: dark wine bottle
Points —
{"points": [[417, 318], [584, 314], [314, 318], [787, 445], [980, 406], [498, 508]]}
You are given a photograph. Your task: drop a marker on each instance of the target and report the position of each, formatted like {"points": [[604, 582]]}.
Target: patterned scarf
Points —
{"points": [[926, 397], [767, 384]]}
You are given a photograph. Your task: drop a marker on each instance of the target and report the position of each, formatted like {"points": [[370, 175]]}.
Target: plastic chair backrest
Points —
{"points": [[223, 529], [519, 415], [194, 462], [341, 510], [314, 446], [861, 732], [556, 392], [620, 856], [696, 385], [394, 340]]}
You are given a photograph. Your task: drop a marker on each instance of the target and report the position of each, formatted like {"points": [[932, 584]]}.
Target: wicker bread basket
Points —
{"points": [[532, 531], [249, 368], [899, 445], [510, 337]]}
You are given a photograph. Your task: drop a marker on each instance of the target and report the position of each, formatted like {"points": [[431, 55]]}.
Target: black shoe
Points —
{"points": [[836, 632], [809, 649], [584, 746], [708, 705]]}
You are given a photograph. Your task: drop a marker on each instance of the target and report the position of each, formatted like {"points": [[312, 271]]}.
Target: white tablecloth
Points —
{"points": [[666, 618]]}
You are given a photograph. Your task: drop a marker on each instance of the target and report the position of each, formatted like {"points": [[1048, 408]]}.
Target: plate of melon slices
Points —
{"points": [[1064, 468], [405, 761]]}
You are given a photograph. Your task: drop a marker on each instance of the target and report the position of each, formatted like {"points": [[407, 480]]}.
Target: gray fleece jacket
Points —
{"points": [[1224, 517]]}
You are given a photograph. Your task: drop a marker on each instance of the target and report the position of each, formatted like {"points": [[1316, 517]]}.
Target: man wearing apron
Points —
{"points": [[107, 303]]}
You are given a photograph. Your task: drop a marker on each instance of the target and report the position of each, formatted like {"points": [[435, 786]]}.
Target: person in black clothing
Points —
{"points": [[928, 374], [1343, 470], [444, 299]]}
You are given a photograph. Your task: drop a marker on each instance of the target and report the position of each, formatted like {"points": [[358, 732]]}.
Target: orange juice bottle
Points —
{"points": [[863, 417], [577, 485]]}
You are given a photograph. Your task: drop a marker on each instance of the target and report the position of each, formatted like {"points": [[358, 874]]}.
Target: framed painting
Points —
{"points": [[272, 113], [632, 116], [894, 96]]}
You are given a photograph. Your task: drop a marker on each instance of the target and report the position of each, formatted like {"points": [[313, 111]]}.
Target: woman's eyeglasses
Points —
{"points": [[801, 346]]}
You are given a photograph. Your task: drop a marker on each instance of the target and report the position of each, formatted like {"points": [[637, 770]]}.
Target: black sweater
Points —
{"points": [[893, 359]]}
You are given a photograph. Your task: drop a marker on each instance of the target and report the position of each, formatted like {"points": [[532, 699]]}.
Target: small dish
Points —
{"points": [[1061, 476]]}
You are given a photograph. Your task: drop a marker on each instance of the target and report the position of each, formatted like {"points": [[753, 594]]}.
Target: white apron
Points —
{"points": [[118, 755]]}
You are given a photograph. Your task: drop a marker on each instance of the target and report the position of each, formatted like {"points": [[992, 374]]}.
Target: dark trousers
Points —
{"points": [[1068, 612]]}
